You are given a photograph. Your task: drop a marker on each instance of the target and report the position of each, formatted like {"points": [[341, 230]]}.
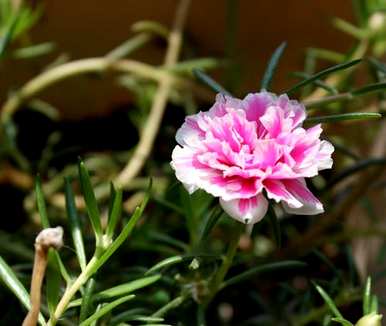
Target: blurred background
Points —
{"points": [[92, 28], [101, 115]]}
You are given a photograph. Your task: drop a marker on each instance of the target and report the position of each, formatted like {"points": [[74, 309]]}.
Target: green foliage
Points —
{"points": [[14, 22], [74, 223], [90, 200], [323, 73], [106, 309], [211, 83], [344, 117], [272, 65]]}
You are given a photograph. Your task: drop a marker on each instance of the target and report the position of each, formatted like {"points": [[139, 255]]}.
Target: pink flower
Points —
{"points": [[239, 148]]}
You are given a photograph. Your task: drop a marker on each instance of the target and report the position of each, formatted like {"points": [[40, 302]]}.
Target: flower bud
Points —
{"points": [[370, 320]]}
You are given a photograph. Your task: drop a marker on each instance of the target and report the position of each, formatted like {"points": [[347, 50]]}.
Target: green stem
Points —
{"points": [[71, 291], [201, 315], [218, 279]]}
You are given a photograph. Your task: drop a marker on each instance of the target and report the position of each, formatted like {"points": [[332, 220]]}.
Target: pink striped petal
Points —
{"points": [[310, 204], [248, 211], [277, 191]]}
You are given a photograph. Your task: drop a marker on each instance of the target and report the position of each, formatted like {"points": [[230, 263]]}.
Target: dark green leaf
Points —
{"points": [[374, 304], [330, 303], [190, 216], [120, 290], [124, 234], [357, 167], [166, 262], [361, 12], [344, 117], [106, 309], [326, 261], [115, 211], [86, 301], [74, 223], [318, 82], [367, 297], [272, 65], [378, 65], [8, 35], [61, 267], [210, 222], [376, 87], [263, 269], [90, 200], [126, 288], [126, 315], [40, 202], [205, 79], [321, 74], [275, 224], [167, 239], [53, 281]]}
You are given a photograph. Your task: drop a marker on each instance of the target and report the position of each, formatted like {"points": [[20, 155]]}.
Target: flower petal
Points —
{"points": [[256, 104], [277, 191], [310, 204], [248, 211], [324, 156]]}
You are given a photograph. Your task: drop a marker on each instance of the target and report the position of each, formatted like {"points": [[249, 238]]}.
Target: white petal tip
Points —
{"points": [[247, 211]]}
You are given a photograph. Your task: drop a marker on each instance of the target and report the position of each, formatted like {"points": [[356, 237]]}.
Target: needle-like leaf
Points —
{"points": [[321, 74], [344, 117], [74, 223], [114, 211], [40, 203], [367, 297], [211, 83], [272, 65], [106, 309], [262, 269], [275, 224], [330, 303], [90, 200]]}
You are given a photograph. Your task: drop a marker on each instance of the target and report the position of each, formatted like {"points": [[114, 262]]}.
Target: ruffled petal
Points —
{"points": [[182, 163], [248, 211], [277, 191], [324, 156], [256, 104], [310, 204], [293, 110]]}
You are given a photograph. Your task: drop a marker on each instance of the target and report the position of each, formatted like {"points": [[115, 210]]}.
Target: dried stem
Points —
{"points": [[48, 238], [153, 122]]}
